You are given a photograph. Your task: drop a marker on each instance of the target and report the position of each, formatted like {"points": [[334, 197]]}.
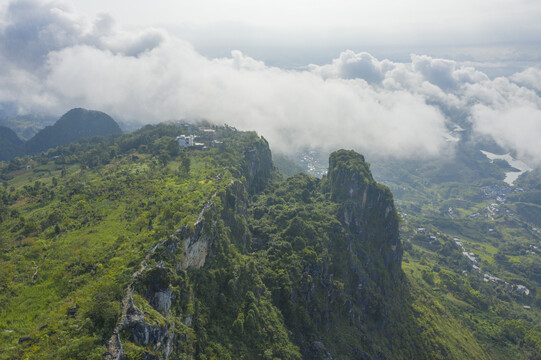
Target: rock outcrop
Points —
{"points": [[154, 282], [196, 245], [258, 168], [367, 208], [142, 333], [318, 351]]}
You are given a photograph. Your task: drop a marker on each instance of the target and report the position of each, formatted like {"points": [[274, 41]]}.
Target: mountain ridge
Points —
{"points": [[200, 254]]}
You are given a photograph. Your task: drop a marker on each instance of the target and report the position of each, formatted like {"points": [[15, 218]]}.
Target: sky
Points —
{"points": [[294, 33], [389, 78]]}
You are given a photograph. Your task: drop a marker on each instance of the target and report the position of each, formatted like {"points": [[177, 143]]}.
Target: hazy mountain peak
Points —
{"points": [[73, 126]]}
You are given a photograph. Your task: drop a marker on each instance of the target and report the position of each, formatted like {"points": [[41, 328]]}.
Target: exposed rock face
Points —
{"points": [[196, 245], [142, 333], [319, 352], [369, 252], [367, 207], [351, 285], [158, 289], [161, 300], [258, 167]]}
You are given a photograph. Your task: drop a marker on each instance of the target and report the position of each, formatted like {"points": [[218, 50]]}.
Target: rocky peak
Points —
{"points": [[258, 167], [367, 209], [348, 175]]}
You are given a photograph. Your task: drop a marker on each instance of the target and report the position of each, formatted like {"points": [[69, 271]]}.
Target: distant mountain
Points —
{"points": [[26, 126], [73, 126], [10, 144]]}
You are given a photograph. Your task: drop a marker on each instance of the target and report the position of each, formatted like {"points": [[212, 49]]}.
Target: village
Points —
{"points": [[498, 194], [475, 265], [499, 191], [205, 140]]}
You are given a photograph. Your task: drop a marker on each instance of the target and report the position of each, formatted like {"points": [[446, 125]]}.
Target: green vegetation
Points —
{"points": [[191, 254], [76, 224], [73, 126], [287, 166]]}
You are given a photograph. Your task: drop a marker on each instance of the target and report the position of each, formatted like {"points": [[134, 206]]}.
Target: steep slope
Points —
{"points": [[335, 243], [10, 144], [73, 126], [306, 268]]}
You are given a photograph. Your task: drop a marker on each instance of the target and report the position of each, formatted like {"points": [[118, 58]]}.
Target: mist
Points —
{"points": [[376, 106]]}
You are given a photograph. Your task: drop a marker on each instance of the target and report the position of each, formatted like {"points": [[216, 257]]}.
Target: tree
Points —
{"points": [[163, 157], [185, 165], [173, 148]]}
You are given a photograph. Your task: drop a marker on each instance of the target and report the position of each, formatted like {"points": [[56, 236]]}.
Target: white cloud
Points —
{"points": [[356, 101], [530, 78], [516, 127], [445, 74], [292, 109], [350, 65]]}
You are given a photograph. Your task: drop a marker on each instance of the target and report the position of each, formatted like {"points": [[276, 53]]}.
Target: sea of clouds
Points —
{"points": [[53, 59]]}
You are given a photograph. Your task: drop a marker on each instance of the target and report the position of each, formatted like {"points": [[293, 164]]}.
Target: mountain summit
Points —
{"points": [[73, 126]]}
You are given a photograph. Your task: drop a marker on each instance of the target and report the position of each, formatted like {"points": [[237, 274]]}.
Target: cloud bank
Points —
{"points": [[54, 60]]}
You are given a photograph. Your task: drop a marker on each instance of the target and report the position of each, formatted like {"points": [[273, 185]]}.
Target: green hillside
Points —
{"points": [[472, 243], [131, 247]]}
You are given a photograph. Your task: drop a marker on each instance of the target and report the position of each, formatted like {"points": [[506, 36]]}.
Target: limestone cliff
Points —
{"points": [[366, 208], [257, 166]]}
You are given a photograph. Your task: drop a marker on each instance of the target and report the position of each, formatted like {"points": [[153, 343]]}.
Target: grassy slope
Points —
{"points": [[102, 219]]}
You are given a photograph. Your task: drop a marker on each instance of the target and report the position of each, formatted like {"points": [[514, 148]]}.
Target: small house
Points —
{"points": [[185, 140]]}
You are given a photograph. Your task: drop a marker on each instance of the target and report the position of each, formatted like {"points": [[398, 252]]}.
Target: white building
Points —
{"points": [[185, 140]]}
